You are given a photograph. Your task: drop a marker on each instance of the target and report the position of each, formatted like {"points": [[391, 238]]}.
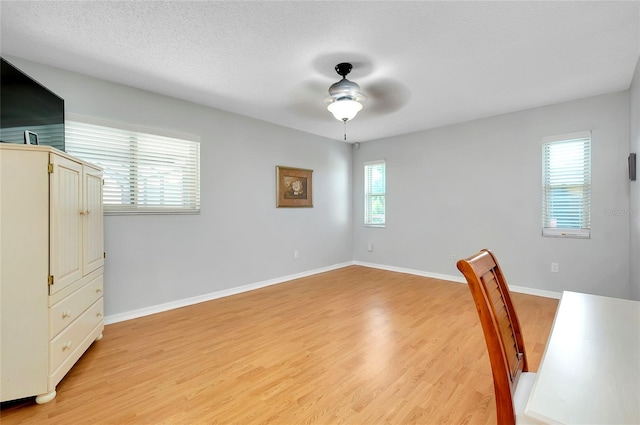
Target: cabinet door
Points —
{"points": [[66, 212], [93, 235]]}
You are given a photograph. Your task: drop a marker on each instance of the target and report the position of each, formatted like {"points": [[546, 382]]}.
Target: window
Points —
{"points": [[374, 193], [566, 185], [143, 172]]}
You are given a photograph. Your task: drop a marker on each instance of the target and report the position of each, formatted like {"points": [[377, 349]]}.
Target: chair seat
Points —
{"points": [[521, 396]]}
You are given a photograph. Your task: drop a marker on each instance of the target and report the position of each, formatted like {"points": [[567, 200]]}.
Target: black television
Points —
{"points": [[26, 105]]}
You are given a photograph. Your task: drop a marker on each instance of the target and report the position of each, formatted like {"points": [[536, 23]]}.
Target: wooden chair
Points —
{"points": [[511, 379]]}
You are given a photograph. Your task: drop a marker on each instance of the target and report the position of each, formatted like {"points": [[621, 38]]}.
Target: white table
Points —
{"points": [[590, 370]]}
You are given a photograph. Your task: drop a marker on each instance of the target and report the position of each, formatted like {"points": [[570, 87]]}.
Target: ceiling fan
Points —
{"points": [[379, 95], [346, 98]]}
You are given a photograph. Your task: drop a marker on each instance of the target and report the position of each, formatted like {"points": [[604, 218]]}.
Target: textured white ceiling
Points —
{"points": [[422, 64]]}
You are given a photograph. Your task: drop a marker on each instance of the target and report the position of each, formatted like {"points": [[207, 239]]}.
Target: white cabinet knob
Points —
{"points": [[66, 314], [98, 314], [99, 289], [66, 346]]}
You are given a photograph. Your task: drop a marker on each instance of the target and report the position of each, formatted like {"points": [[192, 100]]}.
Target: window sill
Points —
{"points": [[153, 212], [566, 233]]}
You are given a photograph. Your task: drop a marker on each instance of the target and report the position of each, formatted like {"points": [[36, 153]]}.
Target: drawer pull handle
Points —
{"points": [[66, 314], [99, 289], [98, 314], [66, 346]]}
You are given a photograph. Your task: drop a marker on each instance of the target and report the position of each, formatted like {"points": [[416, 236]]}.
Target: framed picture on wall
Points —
{"points": [[294, 187]]}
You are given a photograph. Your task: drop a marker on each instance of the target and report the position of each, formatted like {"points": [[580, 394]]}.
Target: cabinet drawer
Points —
{"points": [[64, 312], [69, 340]]}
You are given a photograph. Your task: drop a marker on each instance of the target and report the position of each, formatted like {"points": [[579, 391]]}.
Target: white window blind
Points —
{"points": [[374, 193], [566, 183], [143, 172]]}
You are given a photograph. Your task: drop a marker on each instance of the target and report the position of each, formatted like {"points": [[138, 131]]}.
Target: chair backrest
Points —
{"points": [[500, 326]]}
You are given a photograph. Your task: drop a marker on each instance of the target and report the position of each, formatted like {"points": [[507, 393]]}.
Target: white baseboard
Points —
{"points": [[460, 279], [133, 314], [440, 276], [159, 308], [537, 292]]}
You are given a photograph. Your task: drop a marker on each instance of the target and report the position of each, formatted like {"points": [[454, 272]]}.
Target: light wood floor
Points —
{"points": [[351, 346]]}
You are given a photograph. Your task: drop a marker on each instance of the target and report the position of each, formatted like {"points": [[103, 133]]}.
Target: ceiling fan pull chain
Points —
{"points": [[345, 130]]}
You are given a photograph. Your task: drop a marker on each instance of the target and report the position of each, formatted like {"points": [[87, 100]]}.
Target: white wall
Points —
{"points": [[240, 238], [454, 189], [460, 188], [634, 187]]}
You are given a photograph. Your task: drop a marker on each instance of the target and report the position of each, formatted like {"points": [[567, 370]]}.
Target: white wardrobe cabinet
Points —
{"points": [[51, 267]]}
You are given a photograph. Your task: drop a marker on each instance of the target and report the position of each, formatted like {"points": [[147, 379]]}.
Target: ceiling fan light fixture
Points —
{"points": [[344, 109], [345, 99]]}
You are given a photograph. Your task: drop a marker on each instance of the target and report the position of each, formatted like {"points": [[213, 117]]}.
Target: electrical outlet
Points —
{"points": [[296, 254], [370, 247], [554, 267]]}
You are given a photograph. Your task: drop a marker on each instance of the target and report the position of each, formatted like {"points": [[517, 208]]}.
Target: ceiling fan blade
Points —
{"points": [[307, 100], [386, 96]]}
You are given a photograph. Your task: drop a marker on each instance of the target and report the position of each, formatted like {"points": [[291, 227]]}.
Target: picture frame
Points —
{"points": [[30, 138], [294, 187]]}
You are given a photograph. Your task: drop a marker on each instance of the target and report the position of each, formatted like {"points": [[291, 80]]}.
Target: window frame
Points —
{"points": [[183, 171], [369, 193], [584, 231]]}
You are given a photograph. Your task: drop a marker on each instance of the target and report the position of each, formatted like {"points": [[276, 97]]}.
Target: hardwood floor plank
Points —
{"points": [[351, 346]]}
